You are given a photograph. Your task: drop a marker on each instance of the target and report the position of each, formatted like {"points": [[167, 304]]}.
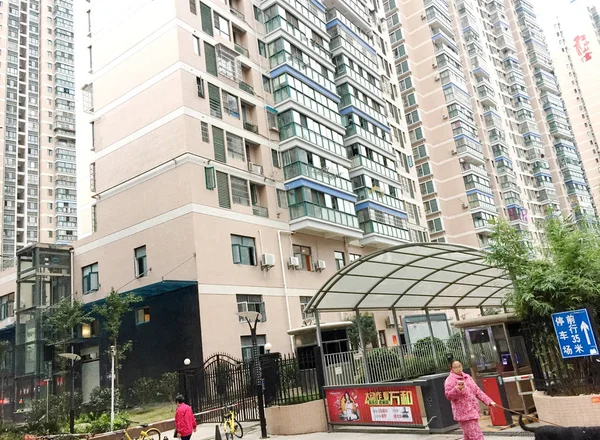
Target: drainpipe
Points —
{"points": [[285, 289]]}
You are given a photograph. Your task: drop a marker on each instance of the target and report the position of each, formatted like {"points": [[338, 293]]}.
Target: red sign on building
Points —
{"points": [[582, 46], [374, 405]]}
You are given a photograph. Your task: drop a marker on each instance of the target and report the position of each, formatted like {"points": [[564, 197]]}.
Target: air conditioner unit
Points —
{"points": [[267, 261], [320, 265], [423, 16], [465, 206], [454, 153], [434, 64], [444, 116], [437, 77], [293, 263], [389, 323], [254, 168]]}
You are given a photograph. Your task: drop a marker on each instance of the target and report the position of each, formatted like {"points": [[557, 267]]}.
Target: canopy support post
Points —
{"points": [[320, 344], [364, 348], [463, 334], [435, 354], [400, 347]]}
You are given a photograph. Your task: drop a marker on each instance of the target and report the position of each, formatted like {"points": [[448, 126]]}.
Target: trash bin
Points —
{"points": [[437, 407], [493, 386]]}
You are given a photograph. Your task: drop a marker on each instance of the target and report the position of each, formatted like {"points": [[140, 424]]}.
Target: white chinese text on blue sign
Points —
{"points": [[574, 333]]}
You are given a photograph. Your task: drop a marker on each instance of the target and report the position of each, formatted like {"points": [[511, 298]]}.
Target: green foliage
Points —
{"points": [[114, 308], [97, 424], [169, 386], [369, 330], [565, 274], [100, 401], [58, 414], [423, 348], [381, 360], [145, 391], [289, 375]]}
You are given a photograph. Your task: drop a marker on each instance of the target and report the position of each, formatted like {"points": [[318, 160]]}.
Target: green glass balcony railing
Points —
{"points": [[369, 137], [385, 199], [307, 209], [372, 227], [295, 129], [296, 169], [344, 69], [358, 161]]}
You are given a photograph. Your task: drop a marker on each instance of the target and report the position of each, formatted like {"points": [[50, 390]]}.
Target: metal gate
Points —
{"points": [[221, 381]]}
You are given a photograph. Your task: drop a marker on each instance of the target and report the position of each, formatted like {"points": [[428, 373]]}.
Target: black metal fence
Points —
{"points": [[290, 379], [551, 372]]}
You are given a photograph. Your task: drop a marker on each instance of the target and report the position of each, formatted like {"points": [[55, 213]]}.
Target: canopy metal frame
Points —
{"points": [[463, 278]]}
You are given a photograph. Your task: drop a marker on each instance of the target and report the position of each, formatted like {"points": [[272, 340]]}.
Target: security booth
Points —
{"points": [[509, 356], [402, 385]]}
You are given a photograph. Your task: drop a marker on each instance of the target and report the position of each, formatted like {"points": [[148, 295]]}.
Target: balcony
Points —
{"points": [[476, 205], [381, 235], [279, 22], [378, 197], [345, 70], [296, 130], [546, 196], [468, 169], [486, 95], [482, 225], [479, 186], [250, 127], [355, 11], [540, 61], [362, 161], [546, 83], [470, 154], [560, 131], [237, 14], [357, 130], [282, 57], [241, 50], [297, 169], [246, 87], [318, 220], [356, 53], [260, 211], [351, 100], [439, 20]]}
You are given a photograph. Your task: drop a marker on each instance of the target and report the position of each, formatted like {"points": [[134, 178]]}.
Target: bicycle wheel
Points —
{"points": [[237, 429], [151, 434]]}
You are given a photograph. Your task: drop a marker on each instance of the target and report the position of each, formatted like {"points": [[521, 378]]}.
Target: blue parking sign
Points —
{"points": [[575, 334]]}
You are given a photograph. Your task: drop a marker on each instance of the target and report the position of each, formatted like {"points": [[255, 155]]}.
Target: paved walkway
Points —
{"points": [[252, 432]]}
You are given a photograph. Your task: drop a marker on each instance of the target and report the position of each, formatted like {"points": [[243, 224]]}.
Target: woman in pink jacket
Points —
{"points": [[463, 393]]}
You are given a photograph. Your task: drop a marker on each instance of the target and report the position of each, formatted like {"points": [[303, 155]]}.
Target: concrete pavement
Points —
{"points": [[252, 432]]}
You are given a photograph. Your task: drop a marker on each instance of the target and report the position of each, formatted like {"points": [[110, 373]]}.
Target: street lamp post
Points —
{"points": [[113, 354], [252, 318], [73, 358]]}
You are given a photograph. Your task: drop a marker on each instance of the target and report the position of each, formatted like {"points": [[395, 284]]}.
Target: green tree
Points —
{"points": [[113, 310], [4, 349], [369, 331], [169, 386]]}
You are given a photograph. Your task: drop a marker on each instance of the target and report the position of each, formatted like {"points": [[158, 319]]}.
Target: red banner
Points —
{"points": [[374, 405]]}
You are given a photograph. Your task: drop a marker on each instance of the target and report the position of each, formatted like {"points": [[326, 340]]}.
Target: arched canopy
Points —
{"points": [[417, 276]]}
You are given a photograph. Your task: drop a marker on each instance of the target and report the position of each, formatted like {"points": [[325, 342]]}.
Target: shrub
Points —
{"points": [[101, 423], [169, 386], [100, 401], [422, 347], [58, 415], [383, 364], [145, 391], [289, 375]]}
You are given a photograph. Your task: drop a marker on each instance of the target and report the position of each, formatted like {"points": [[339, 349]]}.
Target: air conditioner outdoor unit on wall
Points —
{"points": [[320, 265], [293, 263], [267, 261]]}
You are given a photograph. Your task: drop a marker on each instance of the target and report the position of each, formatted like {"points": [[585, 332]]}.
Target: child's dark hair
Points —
{"points": [[179, 399]]}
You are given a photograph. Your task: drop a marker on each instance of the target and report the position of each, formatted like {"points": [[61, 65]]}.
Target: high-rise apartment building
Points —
{"points": [[39, 196], [475, 78], [575, 48]]}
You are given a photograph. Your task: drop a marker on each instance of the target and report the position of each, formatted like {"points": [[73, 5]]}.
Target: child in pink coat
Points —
{"points": [[463, 394]]}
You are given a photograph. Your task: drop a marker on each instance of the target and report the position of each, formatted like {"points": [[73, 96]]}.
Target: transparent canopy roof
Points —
{"points": [[415, 276]]}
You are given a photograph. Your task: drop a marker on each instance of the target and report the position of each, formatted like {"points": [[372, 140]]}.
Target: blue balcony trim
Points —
{"points": [[516, 205], [501, 21], [471, 28], [380, 207], [478, 191], [439, 34], [271, 109], [531, 133], [542, 174], [512, 59], [578, 182], [450, 84], [337, 22], [483, 70], [317, 186], [319, 5], [286, 68], [522, 95], [491, 111], [352, 109]]}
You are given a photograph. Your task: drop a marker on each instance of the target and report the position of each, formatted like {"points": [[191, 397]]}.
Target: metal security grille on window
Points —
{"points": [[239, 191], [243, 250], [235, 146], [228, 63]]}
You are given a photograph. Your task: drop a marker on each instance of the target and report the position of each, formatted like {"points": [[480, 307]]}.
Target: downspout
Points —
{"points": [[285, 289]]}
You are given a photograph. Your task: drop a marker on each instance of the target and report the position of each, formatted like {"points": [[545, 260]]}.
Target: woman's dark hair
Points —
{"points": [[179, 398]]}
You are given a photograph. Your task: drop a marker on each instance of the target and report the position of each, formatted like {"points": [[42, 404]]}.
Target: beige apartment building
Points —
{"points": [[575, 46], [474, 78]]}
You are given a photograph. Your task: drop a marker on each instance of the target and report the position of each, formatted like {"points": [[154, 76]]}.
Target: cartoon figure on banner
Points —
{"points": [[582, 46], [349, 408], [405, 414]]}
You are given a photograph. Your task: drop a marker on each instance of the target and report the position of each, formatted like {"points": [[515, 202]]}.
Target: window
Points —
{"points": [[214, 99], [281, 198], [340, 260], [303, 302], [275, 158], [243, 250], [230, 104], [262, 49], [223, 190], [200, 86], [90, 278], [210, 57], [142, 315], [7, 306], [239, 191], [246, 341], [196, 45], [258, 14], [205, 135], [90, 330], [205, 18], [221, 26], [141, 268], [235, 146], [209, 177], [304, 256], [193, 9], [354, 257], [266, 84], [251, 303]]}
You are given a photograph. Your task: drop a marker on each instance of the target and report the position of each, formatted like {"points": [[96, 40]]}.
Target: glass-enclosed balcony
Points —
{"points": [[546, 82], [384, 199], [357, 130], [294, 129], [468, 168], [351, 100], [345, 70], [311, 210], [486, 95], [360, 55], [540, 61], [560, 130], [373, 227], [438, 19], [282, 57], [297, 169], [362, 161], [279, 22]]}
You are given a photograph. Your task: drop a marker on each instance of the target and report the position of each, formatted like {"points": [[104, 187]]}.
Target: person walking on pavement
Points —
{"points": [[463, 394], [185, 422]]}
